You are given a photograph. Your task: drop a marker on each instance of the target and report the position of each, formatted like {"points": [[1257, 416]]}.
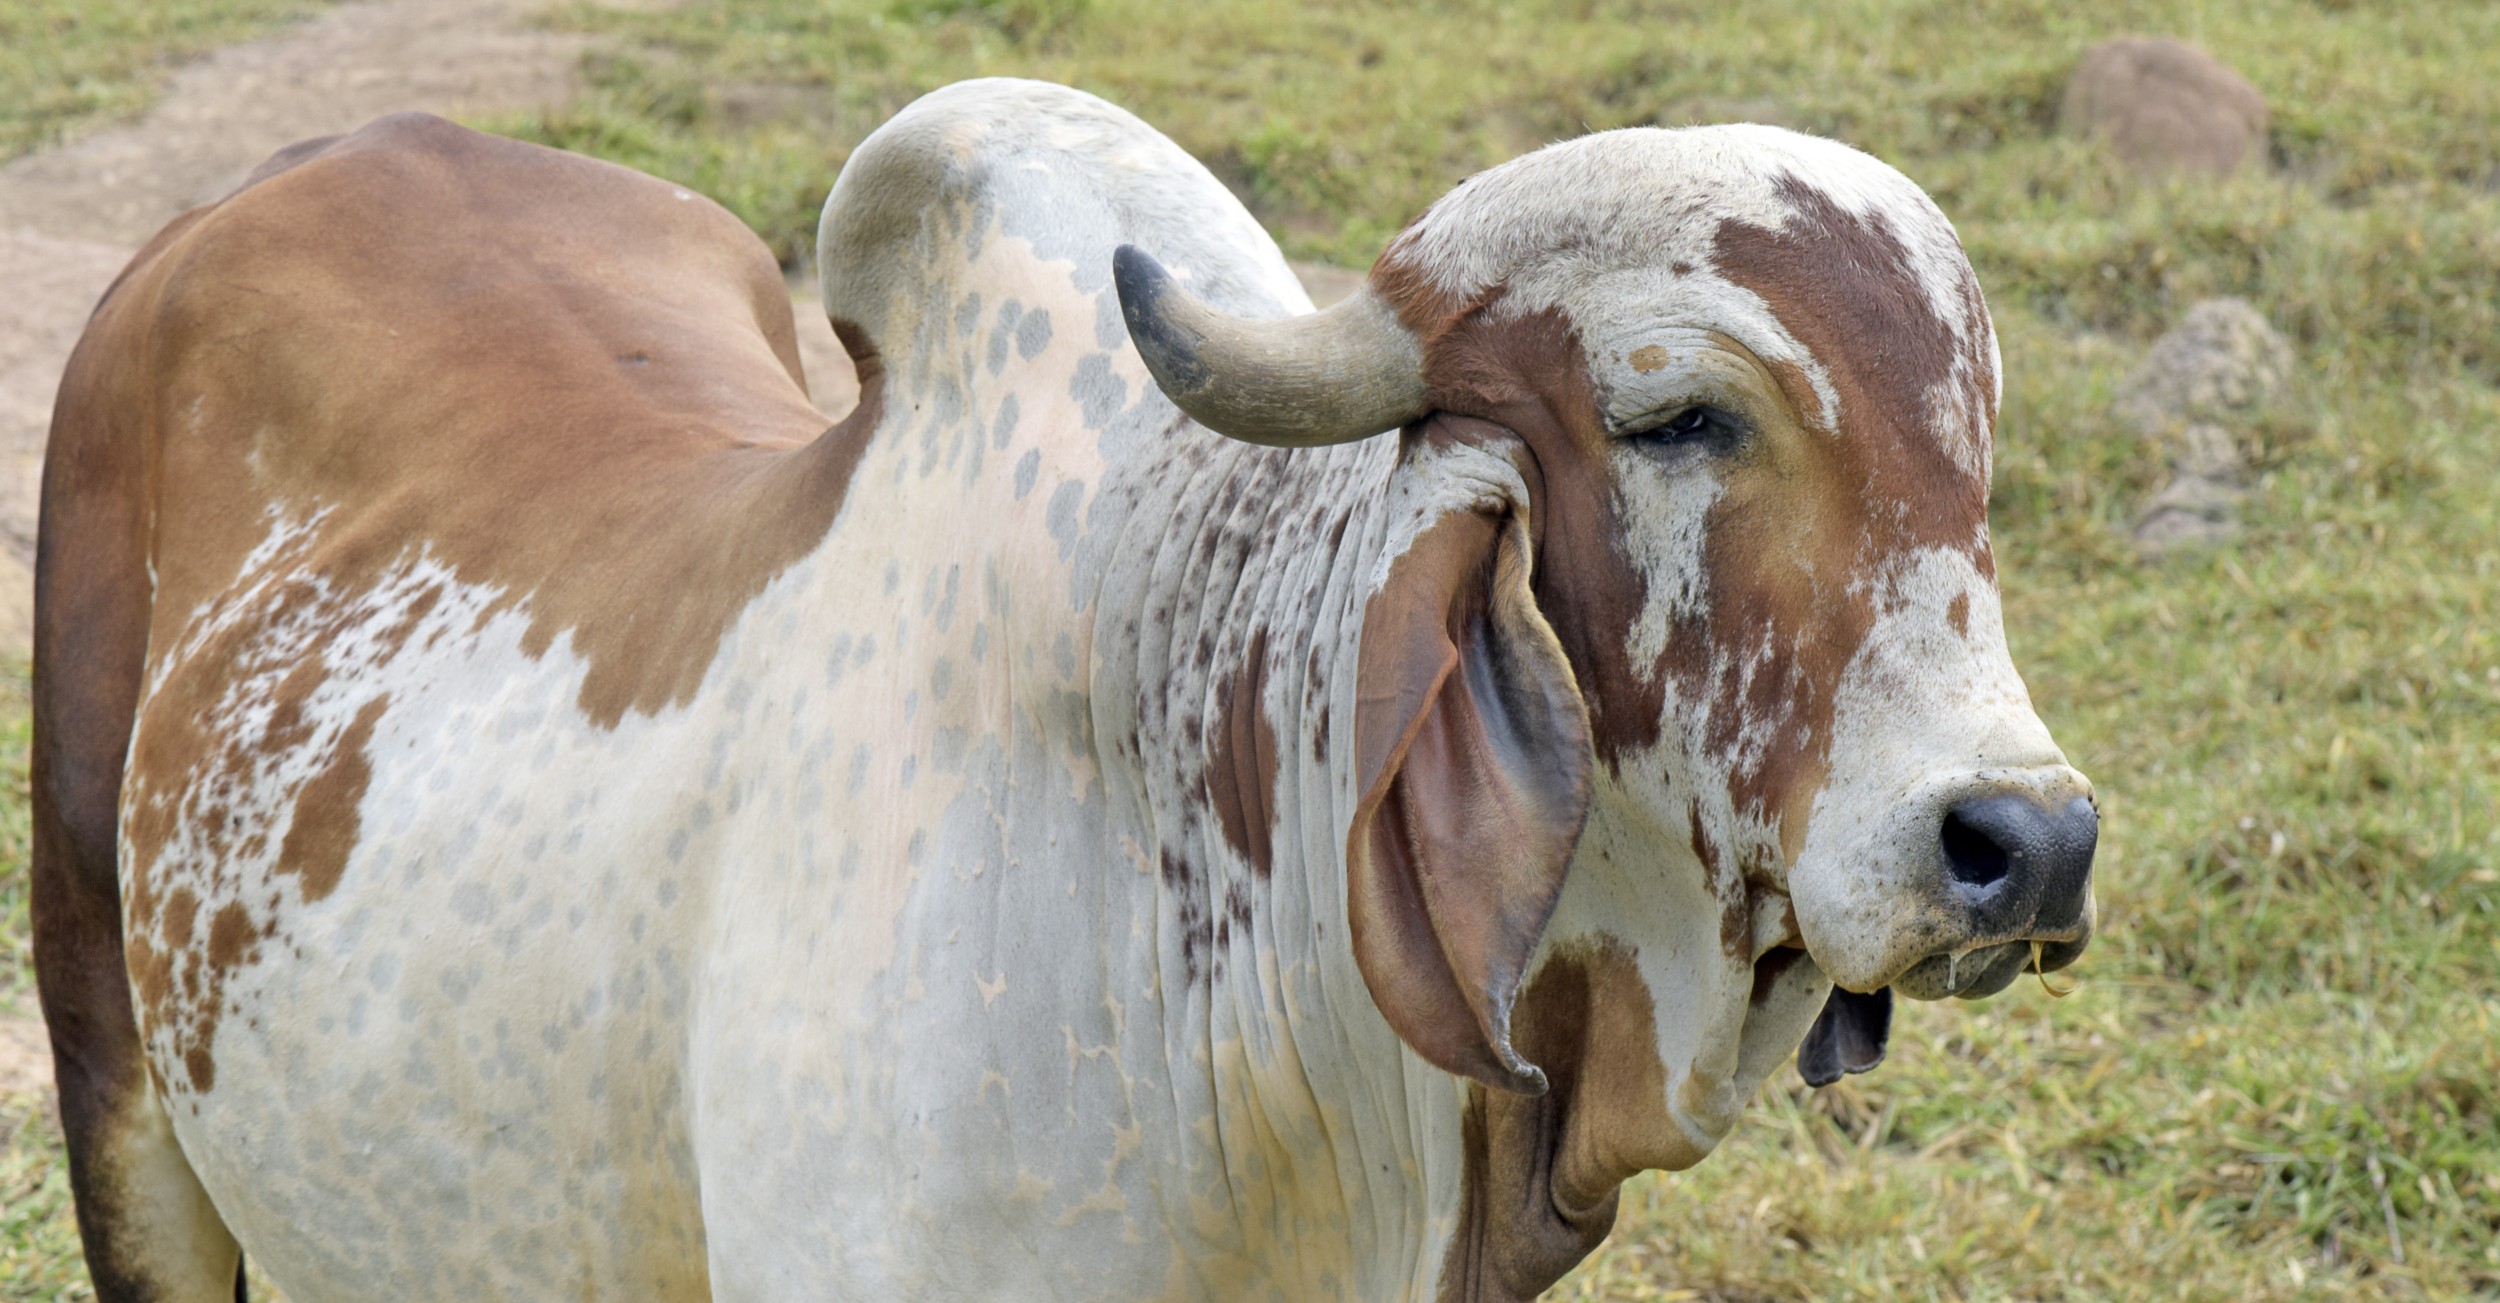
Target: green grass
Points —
{"points": [[2280, 1074], [67, 64], [38, 1232]]}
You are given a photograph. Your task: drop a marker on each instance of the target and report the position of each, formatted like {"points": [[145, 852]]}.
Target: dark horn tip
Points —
{"points": [[1170, 350]]}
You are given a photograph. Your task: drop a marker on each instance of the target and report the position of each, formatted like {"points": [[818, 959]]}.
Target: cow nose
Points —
{"points": [[2021, 868]]}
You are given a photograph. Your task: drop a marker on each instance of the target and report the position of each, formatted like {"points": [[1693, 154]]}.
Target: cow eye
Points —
{"points": [[1706, 427]]}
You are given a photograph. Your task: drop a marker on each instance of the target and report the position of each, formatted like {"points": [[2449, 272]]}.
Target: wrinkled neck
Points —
{"points": [[1226, 641]]}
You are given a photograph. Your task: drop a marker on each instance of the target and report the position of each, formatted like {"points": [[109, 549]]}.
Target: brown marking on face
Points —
{"points": [[1648, 358], [632, 511], [1241, 767], [1803, 584], [1811, 512], [1540, 1174], [1525, 377]]}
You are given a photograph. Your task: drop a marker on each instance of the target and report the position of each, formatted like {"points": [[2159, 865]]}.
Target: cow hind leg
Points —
{"points": [[150, 1232]]}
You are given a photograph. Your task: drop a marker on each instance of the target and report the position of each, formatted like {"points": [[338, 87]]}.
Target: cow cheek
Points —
{"points": [[1791, 614]]}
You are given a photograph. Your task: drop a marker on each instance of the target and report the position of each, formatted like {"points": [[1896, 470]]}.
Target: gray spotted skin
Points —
{"points": [[908, 956]]}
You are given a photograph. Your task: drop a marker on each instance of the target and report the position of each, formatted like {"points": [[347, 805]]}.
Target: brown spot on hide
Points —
{"points": [[326, 824], [1735, 913], [182, 910], [1957, 614], [1241, 768], [1648, 358], [228, 936], [1540, 1174], [197, 1062]]}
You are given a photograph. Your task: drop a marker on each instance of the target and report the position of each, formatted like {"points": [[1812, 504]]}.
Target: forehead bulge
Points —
{"points": [[1835, 271]]}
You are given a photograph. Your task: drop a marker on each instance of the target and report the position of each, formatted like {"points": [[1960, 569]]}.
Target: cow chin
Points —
{"points": [[1981, 971]]}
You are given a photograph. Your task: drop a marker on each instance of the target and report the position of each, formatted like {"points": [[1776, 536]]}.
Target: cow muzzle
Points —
{"points": [[2016, 883], [1971, 882]]}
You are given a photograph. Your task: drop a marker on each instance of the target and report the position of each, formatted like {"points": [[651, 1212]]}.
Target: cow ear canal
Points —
{"points": [[1474, 757]]}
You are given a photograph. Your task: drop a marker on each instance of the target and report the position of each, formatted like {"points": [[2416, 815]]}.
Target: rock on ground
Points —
{"points": [[2204, 381], [2165, 106]]}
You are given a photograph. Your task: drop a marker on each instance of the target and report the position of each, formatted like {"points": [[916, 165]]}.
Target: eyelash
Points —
{"points": [[1693, 425]]}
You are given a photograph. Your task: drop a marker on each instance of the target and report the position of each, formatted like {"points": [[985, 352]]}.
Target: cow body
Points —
{"points": [[589, 829]]}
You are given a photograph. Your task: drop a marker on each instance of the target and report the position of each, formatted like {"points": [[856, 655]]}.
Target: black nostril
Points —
{"points": [[1973, 857]]}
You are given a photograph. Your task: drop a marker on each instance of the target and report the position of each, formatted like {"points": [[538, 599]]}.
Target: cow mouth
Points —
{"points": [[1978, 971]]}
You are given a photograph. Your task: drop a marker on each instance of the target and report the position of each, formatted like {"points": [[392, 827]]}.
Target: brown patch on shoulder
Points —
{"points": [[182, 912], [1957, 614], [198, 1064], [1540, 1175], [630, 512], [1241, 767], [181, 970], [326, 824]]}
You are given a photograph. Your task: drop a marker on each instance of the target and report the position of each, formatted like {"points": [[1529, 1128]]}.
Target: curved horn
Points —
{"points": [[1336, 376]]}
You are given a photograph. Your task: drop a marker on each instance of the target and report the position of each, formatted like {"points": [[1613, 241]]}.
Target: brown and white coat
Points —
{"points": [[589, 829]]}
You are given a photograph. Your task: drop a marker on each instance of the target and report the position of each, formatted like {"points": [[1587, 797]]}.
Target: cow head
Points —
{"points": [[1686, 591]]}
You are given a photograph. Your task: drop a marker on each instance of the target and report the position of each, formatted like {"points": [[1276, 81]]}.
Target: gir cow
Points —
{"points": [[1175, 796]]}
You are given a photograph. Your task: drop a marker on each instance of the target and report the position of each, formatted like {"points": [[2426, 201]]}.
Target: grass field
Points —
{"points": [[2280, 1074]]}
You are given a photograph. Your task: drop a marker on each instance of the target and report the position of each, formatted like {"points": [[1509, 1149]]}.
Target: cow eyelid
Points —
{"points": [[1699, 424]]}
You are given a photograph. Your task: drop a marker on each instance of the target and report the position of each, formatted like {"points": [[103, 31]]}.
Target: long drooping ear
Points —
{"points": [[1474, 752]]}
